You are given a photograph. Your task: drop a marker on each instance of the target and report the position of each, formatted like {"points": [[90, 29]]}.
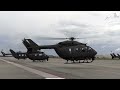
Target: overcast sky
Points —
{"points": [[99, 29]]}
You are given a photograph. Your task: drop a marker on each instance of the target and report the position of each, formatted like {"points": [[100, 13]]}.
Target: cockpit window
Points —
{"points": [[76, 49], [35, 54], [40, 54], [89, 48], [83, 50], [70, 50]]}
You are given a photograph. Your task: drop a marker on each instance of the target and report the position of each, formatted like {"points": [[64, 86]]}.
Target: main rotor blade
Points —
{"points": [[54, 38], [49, 38]]}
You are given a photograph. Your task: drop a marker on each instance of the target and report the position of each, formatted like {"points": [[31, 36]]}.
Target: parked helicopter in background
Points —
{"points": [[6, 54], [68, 50], [115, 56], [34, 54], [18, 55]]}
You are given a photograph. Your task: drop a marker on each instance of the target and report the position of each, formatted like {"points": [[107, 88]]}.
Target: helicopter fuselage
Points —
{"points": [[72, 50], [18, 55], [37, 56]]}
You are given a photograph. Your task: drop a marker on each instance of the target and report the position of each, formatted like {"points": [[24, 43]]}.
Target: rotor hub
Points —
{"points": [[72, 38]]}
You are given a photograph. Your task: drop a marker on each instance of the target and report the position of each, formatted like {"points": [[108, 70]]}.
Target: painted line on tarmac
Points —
{"points": [[43, 74]]}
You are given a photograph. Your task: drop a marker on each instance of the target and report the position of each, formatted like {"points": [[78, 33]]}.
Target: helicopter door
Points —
{"points": [[71, 52]]}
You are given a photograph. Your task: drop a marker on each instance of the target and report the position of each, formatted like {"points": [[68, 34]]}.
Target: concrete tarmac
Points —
{"points": [[8, 71], [11, 68]]}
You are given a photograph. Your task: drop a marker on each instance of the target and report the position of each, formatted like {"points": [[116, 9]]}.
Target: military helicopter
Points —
{"points": [[5, 55], [18, 55], [115, 56], [37, 55], [68, 50], [34, 54]]}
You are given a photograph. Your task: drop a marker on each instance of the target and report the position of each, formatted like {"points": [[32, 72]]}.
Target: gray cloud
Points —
{"points": [[93, 13]]}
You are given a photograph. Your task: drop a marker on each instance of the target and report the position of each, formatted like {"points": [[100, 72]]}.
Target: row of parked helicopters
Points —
{"points": [[31, 54], [113, 55], [69, 50]]}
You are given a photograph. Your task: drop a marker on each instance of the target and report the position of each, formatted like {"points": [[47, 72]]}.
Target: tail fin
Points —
{"points": [[30, 45], [114, 55], [13, 53], [27, 45], [3, 53]]}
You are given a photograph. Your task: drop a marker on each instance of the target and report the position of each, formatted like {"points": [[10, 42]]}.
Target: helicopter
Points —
{"points": [[34, 54], [18, 55], [69, 50], [37, 55], [115, 56], [5, 55]]}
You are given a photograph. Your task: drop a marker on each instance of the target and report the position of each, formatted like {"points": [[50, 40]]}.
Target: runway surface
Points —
{"points": [[55, 68]]}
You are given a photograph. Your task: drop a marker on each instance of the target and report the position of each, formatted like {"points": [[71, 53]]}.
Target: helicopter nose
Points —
{"points": [[95, 52]]}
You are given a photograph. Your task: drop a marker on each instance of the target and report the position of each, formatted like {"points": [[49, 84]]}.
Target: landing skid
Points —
{"points": [[40, 60], [79, 61]]}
